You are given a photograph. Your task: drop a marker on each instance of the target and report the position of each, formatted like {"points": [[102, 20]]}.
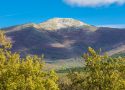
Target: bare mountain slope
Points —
{"points": [[63, 38]]}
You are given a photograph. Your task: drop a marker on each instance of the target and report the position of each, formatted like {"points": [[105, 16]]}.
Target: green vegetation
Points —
{"points": [[98, 72], [64, 64], [118, 55], [23, 74], [4, 41]]}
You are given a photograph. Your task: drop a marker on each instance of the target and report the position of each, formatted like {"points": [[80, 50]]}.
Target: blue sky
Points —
{"points": [[94, 12]]}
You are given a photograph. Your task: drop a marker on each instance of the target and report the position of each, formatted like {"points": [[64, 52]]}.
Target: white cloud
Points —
{"points": [[93, 3]]}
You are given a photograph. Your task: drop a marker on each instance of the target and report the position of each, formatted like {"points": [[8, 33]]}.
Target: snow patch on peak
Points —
{"points": [[59, 23]]}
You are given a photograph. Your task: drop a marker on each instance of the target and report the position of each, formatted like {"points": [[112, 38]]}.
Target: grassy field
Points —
{"points": [[118, 55], [65, 66]]}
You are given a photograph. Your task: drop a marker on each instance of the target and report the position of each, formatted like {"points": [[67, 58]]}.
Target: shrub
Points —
{"points": [[101, 73], [23, 74]]}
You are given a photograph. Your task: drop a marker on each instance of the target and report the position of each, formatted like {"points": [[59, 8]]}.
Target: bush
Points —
{"points": [[23, 74], [101, 73]]}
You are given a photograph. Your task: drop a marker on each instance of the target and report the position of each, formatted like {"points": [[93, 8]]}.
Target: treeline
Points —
{"points": [[100, 72]]}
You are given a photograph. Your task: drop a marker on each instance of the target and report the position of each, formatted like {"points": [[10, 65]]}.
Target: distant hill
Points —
{"points": [[64, 38]]}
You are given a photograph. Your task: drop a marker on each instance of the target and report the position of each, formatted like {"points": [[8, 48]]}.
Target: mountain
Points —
{"points": [[64, 38], [59, 23]]}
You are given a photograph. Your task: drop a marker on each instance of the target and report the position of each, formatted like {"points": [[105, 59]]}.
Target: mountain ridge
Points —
{"points": [[55, 24], [65, 42]]}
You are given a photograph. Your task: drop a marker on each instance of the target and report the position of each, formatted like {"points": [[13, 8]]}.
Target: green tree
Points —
{"points": [[101, 73], [23, 74]]}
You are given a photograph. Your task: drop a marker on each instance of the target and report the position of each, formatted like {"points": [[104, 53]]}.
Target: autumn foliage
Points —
{"points": [[23, 74], [100, 72]]}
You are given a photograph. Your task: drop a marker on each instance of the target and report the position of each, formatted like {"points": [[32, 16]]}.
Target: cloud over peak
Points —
{"points": [[93, 3]]}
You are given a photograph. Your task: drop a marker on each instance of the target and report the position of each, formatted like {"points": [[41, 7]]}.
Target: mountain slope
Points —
{"points": [[63, 38]]}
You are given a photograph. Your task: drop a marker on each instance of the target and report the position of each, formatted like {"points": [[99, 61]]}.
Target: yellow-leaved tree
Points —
{"points": [[101, 72], [23, 73]]}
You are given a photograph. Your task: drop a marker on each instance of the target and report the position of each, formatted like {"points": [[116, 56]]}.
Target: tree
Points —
{"points": [[23, 73], [4, 41], [101, 73]]}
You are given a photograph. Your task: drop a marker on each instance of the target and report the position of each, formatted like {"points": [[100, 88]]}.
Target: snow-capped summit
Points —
{"points": [[59, 23]]}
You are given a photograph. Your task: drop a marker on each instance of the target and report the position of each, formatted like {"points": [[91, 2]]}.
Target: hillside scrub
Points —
{"points": [[23, 74], [100, 73]]}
